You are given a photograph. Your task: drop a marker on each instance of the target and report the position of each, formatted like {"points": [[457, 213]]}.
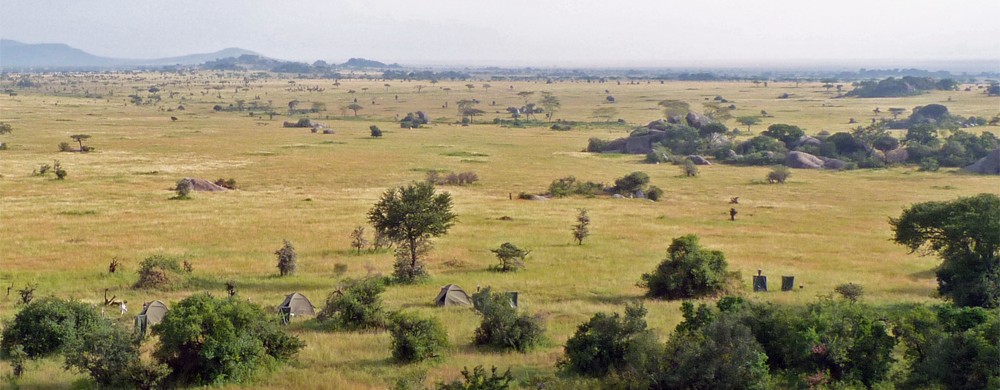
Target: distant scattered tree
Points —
{"points": [[410, 216], [606, 113], [354, 107], [358, 240], [419, 87], [582, 228], [292, 106], [525, 95], [287, 259], [963, 233], [386, 85], [550, 103], [317, 107], [6, 128], [718, 112], [896, 112], [470, 87], [511, 257], [748, 121], [79, 139], [487, 87], [672, 108]]}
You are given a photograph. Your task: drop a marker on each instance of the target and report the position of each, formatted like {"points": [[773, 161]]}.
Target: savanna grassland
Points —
{"points": [[824, 227]]}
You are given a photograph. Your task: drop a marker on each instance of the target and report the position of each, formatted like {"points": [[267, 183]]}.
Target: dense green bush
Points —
{"points": [[629, 184], [415, 338], [760, 144], [510, 256], [951, 348], [688, 271], [569, 185], [788, 134], [503, 328], [160, 272], [721, 355], [654, 193], [357, 307], [287, 259], [110, 355], [612, 343], [47, 326], [209, 340], [779, 174]]}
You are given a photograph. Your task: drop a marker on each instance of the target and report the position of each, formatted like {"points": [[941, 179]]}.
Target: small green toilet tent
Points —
{"points": [[452, 295], [152, 314]]}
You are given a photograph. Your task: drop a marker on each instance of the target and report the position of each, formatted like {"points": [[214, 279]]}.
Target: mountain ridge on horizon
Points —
{"points": [[15, 54]]}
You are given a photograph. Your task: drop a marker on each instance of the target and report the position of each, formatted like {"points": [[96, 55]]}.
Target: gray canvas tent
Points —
{"points": [[295, 304], [452, 295], [152, 314]]}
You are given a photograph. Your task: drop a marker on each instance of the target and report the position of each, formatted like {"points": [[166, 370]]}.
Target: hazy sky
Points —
{"points": [[522, 32]]}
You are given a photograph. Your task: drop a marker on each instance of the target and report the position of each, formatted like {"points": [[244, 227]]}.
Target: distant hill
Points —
{"points": [[14, 54], [363, 63]]}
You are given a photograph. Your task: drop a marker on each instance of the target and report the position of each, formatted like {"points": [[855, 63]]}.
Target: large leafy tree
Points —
{"points": [[964, 234], [410, 216]]}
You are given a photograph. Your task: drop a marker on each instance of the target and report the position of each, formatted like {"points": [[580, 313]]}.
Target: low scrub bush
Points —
{"points": [[415, 338], [779, 174], [503, 328], [161, 273], [357, 307], [47, 326], [612, 344]]}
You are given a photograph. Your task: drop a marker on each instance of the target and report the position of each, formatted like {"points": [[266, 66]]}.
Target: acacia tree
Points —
{"points": [[674, 108], [550, 103], [410, 216], [963, 233], [511, 257], [748, 121], [354, 107], [79, 139]]}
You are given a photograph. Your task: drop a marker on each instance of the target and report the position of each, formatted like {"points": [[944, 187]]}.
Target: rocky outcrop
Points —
{"points": [[803, 160], [989, 165]]}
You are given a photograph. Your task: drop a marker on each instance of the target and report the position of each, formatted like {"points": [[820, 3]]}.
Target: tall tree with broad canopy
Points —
{"points": [[965, 234], [411, 215]]}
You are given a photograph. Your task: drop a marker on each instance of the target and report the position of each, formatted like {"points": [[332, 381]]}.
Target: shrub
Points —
{"points": [[64, 147], [929, 164], [287, 259], [47, 326], [561, 127], [357, 307], [721, 355], [570, 186], [209, 340], [656, 157], [850, 291], [582, 228], [416, 339], [59, 171], [375, 131], [629, 184], [788, 134], [690, 170], [688, 271], [503, 328], [478, 380], [612, 343], [778, 174], [654, 193], [511, 257], [950, 347], [110, 355], [229, 184], [358, 240], [183, 188], [159, 272]]}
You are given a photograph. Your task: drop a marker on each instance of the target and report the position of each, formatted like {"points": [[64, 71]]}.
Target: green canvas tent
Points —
{"points": [[452, 295], [295, 304], [152, 314]]}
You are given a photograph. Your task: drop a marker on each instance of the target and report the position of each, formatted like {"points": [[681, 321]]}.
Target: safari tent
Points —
{"points": [[295, 304], [452, 295], [152, 314]]}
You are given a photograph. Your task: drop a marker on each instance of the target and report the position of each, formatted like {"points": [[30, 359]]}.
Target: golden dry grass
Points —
{"points": [[826, 228]]}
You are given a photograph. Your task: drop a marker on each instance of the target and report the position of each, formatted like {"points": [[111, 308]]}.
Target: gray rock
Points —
{"points": [[639, 145], [697, 120], [832, 163], [897, 156], [803, 160], [698, 160], [989, 165], [617, 196], [539, 198], [807, 140]]}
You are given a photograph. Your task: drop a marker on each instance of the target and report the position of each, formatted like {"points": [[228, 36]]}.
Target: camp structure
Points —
{"points": [[452, 295], [152, 314], [295, 304]]}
